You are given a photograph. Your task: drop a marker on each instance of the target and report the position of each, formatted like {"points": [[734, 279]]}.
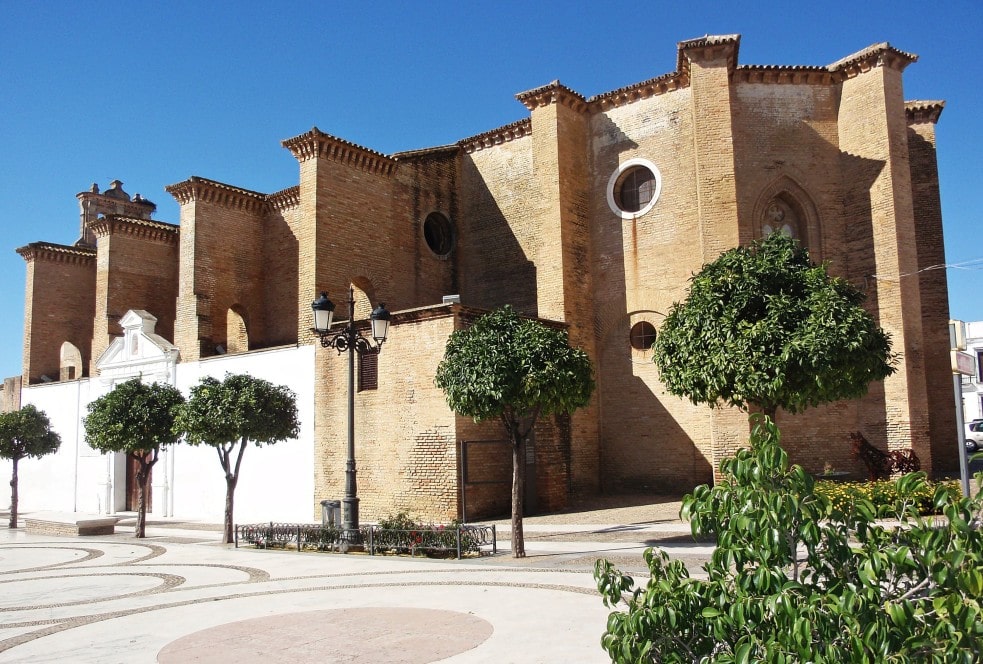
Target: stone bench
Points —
{"points": [[70, 524]]}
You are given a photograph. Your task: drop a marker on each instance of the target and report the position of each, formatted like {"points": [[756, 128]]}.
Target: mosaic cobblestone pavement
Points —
{"points": [[178, 596]]}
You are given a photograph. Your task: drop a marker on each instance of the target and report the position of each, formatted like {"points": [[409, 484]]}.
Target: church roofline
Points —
{"points": [[509, 132], [881, 54], [552, 93], [145, 228], [202, 189], [57, 253], [439, 150], [919, 111], [285, 198], [710, 45], [629, 93], [784, 74], [316, 143]]}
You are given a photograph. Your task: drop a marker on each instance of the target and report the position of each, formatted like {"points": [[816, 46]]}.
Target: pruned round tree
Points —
{"points": [[763, 326], [25, 433], [231, 413], [514, 369], [136, 418]]}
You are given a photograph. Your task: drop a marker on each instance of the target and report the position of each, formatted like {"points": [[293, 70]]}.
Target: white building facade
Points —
{"points": [[276, 481], [973, 385]]}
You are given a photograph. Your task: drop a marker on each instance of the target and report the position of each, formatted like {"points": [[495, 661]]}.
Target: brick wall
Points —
{"points": [[221, 264], [407, 456], [58, 306], [499, 238], [880, 218], [137, 268], [528, 203], [933, 286]]}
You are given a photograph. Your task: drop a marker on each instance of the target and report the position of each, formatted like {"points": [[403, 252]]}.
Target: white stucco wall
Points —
{"points": [[972, 385], [276, 483]]}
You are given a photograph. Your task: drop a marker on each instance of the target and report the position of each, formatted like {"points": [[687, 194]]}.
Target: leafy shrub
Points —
{"points": [[399, 533], [883, 494], [793, 579]]}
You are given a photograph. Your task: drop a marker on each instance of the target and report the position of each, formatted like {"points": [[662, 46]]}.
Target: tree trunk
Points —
{"points": [[142, 477], [230, 489], [13, 496], [518, 488]]}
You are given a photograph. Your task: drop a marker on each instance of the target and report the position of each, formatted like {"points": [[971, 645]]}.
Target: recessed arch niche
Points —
{"points": [[785, 207]]}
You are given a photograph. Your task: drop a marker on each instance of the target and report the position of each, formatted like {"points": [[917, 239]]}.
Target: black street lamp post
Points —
{"points": [[349, 340]]}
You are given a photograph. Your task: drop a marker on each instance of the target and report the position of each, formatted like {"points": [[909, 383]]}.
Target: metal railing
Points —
{"points": [[460, 539]]}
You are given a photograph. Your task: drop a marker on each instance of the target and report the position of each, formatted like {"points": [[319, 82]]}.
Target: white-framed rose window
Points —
{"points": [[634, 188]]}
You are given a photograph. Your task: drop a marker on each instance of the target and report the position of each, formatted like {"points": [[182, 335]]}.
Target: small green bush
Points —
{"points": [[793, 579], [399, 533], [883, 494]]}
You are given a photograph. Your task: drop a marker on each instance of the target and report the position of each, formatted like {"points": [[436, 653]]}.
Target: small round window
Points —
{"points": [[634, 188], [439, 233], [642, 335]]}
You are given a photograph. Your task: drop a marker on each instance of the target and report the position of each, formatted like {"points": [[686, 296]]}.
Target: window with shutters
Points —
{"points": [[368, 371]]}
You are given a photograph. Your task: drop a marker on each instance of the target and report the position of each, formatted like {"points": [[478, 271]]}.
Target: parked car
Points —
{"points": [[974, 436]]}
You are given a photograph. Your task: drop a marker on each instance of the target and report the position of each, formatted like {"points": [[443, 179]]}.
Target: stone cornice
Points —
{"points": [[425, 153], [156, 231], [317, 144], [783, 74], [58, 253], [876, 55], [707, 47], [209, 191], [645, 89], [553, 93], [921, 111], [509, 132], [286, 199]]}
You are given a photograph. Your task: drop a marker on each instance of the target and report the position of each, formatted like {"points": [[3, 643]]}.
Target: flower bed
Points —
{"points": [[457, 540], [881, 493]]}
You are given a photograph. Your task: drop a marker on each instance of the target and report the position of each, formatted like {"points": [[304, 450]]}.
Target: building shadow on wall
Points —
{"points": [[498, 270], [643, 449], [281, 281]]}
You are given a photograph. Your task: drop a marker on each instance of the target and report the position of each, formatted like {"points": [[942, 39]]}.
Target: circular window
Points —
{"points": [[634, 188], [642, 335], [439, 233]]}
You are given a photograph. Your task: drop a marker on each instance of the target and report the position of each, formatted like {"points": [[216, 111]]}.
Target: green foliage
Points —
{"points": [[136, 418], [239, 408], [793, 580], [763, 326], [233, 412], [505, 364], [883, 494], [133, 417], [513, 368], [26, 433], [399, 533]]}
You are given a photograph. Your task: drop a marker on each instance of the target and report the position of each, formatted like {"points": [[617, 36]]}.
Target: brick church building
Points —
{"points": [[591, 212]]}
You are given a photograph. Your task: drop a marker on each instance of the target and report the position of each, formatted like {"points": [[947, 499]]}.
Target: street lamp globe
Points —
{"points": [[380, 323], [323, 313]]}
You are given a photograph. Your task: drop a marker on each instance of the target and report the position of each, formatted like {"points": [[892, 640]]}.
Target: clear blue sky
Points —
{"points": [[152, 93]]}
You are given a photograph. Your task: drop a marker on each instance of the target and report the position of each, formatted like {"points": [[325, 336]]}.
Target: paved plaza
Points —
{"points": [[180, 596]]}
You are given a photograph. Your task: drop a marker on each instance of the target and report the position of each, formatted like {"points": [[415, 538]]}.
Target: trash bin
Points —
{"points": [[331, 513]]}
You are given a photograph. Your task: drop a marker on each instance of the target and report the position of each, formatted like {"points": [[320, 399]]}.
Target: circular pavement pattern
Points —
{"points": [[82, 588], [391, 635]]}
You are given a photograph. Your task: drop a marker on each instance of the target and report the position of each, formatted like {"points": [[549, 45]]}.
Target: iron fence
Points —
{"points": [[461, 540]]}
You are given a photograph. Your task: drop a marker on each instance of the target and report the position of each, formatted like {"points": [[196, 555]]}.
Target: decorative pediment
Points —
{"points": [[139, 352]]}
